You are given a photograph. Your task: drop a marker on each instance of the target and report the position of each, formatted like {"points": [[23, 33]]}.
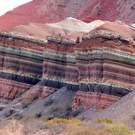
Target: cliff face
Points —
{"points": [[100, 64], [42, 11], [20, 66], [96, 68]]}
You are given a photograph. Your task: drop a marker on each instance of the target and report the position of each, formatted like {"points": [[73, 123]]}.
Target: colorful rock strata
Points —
{"points": [[20, 64], [35, 92], [102, 63], [100, 66], [92, 100], [106, 61]]}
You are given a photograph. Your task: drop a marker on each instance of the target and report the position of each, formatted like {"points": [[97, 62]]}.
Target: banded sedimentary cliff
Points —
{"points": [[20, 64], [93, 100], [103, 63], [98, 66]]}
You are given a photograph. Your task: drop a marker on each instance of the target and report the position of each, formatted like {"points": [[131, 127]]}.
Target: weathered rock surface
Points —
{"points": [[99, 64], [102, 62], [123, 111], [49, 107], [93, 100], [21, 64], [43, 11], [69, 28]]}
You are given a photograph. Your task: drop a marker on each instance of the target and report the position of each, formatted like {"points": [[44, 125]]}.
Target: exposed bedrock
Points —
{"points": [[20, 64], [93, 100], [28, 100], [91, 61], [100, 67], [103, 63]]}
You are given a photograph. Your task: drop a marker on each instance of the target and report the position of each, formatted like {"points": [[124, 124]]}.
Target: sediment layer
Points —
{"points": [[102, 62], [20, 64], [93, 100]]}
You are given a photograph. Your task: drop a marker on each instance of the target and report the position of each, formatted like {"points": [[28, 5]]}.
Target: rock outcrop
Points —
{"points": [[102, 62], [99, 65], [69, 28], [21, 64], [93, 100]]}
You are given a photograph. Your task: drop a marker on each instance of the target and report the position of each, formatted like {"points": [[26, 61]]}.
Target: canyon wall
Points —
{"points": [[93, 100], [21, 62], [100, 66]]}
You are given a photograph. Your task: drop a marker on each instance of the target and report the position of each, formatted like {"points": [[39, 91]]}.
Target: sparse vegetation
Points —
{"points": [[70, 126], [118, 129], [84, 130], [104, 120], [114, 128], [107, 129], [63, 121]]}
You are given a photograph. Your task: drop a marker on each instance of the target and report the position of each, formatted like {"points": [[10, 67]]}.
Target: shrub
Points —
{"points": [[108, 129], [104, 120], [118, 129], [62, 121]]}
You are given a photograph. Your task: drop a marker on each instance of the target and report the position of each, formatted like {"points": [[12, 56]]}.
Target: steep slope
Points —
{"points": [[42, 11], [99, 69], [100, 66], [110, 10], [122, 110]]}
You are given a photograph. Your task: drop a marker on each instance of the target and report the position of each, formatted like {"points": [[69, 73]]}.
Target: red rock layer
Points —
{"points": [[103, 62], [21, 42], [100, 58], [21, 62], [36, 91], [41, 11], [10, 89], [101, 9], [92, 100]]}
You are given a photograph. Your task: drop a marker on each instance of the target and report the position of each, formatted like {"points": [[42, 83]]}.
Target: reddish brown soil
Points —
{"points": [[42, 11]]}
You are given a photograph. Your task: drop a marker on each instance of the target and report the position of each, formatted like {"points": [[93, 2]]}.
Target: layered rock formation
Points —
{"points": [[21, 64], [93, 100], [98, 65], [43, 11], [102, 62]]}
